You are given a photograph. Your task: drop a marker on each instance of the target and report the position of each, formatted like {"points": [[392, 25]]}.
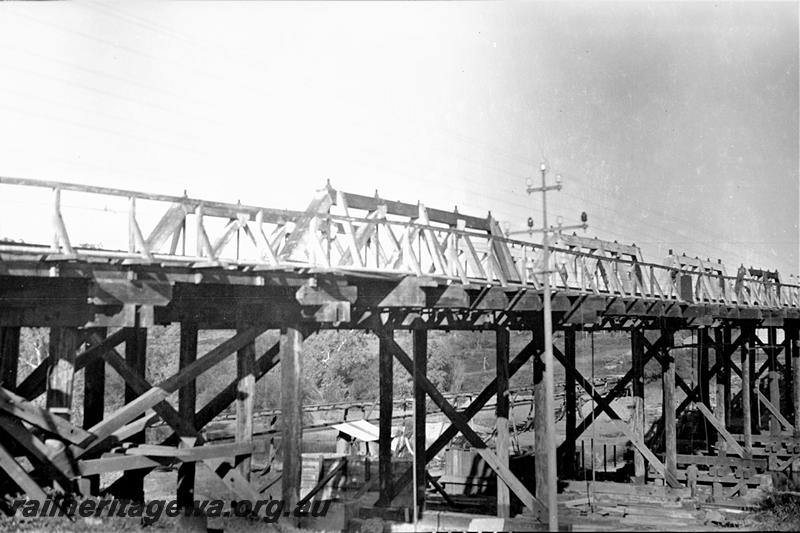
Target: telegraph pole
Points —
{"points": [[550, 423], [550, 426]]}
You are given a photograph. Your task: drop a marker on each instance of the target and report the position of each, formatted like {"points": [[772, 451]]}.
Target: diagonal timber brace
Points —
{"points": [[34, 385], [503, 472], [604, 402], [222, 400], [160, 392], [471, 410], [635, 440]]}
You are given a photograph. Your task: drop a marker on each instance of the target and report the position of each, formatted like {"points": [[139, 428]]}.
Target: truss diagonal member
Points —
{"points": [[453, 259], [171, 223], [318, 206], [473, 261], [204, 247], [135, 237], [431, 242], [353, 251], [260, 240], [410, 259], [360, 237], [503, 472], [502, 254], [231, 228]]}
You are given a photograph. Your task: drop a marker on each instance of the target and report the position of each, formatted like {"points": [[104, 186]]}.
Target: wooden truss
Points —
{"points": [[353, 233]]}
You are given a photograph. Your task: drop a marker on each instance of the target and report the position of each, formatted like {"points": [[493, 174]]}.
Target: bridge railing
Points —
{"points": [[339, 231]]}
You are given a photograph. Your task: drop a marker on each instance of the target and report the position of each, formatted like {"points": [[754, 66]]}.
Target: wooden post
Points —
{"points": [[245, 400], [501, 410], [668, 385], [61, 373], [774, 379], [9, 357], [637, 356], [94, 384], [747, 356], [291, 414], [570, 406], [795, 349], [187, 399], [755, 405], [386, 398], [539, 415], [94, 392], [420, 353], [788, 371], [136, 357], [704, 378], [726, 374], [9, 360], [720, 410]]}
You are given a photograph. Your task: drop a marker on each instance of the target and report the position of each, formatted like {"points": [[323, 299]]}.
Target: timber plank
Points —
{"points": [[17, 406], [20, 476]]}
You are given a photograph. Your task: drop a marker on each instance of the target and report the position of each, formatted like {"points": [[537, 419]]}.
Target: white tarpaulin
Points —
{"points": [[359, 429]]}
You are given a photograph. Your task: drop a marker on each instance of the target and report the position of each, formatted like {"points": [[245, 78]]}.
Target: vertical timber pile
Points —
{"points": [[63, 347], [668, 386], [291, 414], [747, 385], [245, 400], [788, 369], [705, 381], [94, 391], [570, 406], [187, 399], [794, 345], [637, 355], [721, 362], [61, 372], [9, 361], [420, 352], [135, 355], [9, 357], [774, 379], [386, 398], [501, 410]]}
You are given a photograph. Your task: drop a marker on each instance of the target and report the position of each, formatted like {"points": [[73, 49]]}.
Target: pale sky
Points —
{"points": [[674, 125]]}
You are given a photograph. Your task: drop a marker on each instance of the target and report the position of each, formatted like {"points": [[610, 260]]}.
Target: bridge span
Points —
{"points": [[362, 262]]}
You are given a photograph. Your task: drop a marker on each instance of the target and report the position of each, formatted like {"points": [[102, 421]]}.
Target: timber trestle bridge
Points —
{"points": [[360, 262]]}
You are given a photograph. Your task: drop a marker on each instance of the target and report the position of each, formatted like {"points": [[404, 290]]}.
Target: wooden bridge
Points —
{"points": [[351, 261]]}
